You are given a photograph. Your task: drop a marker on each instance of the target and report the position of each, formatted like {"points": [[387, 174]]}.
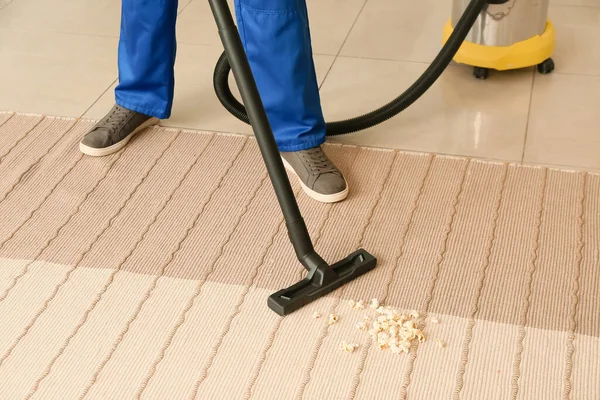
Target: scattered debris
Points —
{"points": [[395, 331], [348, 348], [316, 315], [333, 319], [375, 304], [362, 326], [388, 328]]}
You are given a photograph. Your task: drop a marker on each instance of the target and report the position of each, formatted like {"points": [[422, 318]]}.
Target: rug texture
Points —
{"points": [[145, 274]]}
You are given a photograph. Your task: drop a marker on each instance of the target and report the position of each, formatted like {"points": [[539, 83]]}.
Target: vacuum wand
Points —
{"points": [[262, 128], [321, 278]]}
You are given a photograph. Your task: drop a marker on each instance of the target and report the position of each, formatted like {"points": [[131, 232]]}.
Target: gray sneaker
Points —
{"points": [[114, 131], [319, 178]]}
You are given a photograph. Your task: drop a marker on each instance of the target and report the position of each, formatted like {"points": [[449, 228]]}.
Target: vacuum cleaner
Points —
{"points": [[321, 278], [507, 35]]}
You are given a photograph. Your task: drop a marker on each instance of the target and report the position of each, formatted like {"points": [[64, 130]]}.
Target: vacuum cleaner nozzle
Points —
{"points": [[320, 281]]}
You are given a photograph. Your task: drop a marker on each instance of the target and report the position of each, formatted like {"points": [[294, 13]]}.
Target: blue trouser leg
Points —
{"points": [[147, 49], [276, 36]]}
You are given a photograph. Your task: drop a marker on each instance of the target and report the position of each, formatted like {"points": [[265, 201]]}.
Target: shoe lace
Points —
{"points": [[317, 161], [115, 119]]}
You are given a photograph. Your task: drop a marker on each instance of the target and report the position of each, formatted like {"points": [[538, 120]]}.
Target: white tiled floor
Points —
{"points": [[58, 57]]}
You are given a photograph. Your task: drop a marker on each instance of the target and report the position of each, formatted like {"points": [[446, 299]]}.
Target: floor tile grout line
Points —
{"points": [[191, 301], [529, 288], [478, 290], [238, 307], [338, 294], [397, 257], [567, 394], [99, 97], [2, 156], [184, 7], [433, 282], [528, 120], [61, 284], [337, 55], [117, 270], [36, 162], [161, 275], [6, 5]]}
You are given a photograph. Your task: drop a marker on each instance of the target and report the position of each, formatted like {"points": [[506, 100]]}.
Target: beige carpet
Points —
{"points": [[145, 274]]}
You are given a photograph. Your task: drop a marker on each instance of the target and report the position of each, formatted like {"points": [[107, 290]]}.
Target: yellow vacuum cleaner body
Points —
{"points": [[511, 35]]}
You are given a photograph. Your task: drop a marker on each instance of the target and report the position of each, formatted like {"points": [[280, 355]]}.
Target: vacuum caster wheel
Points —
{"points": [[546, 67], [481, 73]]}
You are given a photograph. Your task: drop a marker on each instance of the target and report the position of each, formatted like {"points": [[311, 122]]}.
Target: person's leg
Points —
{"points": [[147, 49], [276, 37]]}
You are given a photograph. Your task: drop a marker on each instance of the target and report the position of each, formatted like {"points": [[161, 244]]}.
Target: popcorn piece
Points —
{"points": [[316, 315], [420, 337], [435, 320], [405, 347], [352, 303], [362, 326], [360, 305], [414, 314], [348, 348], [410, 325], [440, 343], [333, 319], [374, 304]]}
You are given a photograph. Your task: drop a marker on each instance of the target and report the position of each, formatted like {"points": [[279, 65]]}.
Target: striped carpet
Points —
{"points": [[145, 274]]}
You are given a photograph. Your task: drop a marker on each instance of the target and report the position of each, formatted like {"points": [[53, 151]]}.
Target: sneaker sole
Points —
{"points": [[323, 198], [90, 151]]}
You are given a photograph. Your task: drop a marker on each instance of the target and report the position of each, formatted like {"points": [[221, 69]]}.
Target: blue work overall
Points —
{"points": [[276, 37]]}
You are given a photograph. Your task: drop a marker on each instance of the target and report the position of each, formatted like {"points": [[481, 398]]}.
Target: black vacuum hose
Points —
{"points": [[393, 108]]}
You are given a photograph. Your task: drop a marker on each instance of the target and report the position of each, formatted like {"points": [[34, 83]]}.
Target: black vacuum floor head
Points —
{"points": [[320, 282]]}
